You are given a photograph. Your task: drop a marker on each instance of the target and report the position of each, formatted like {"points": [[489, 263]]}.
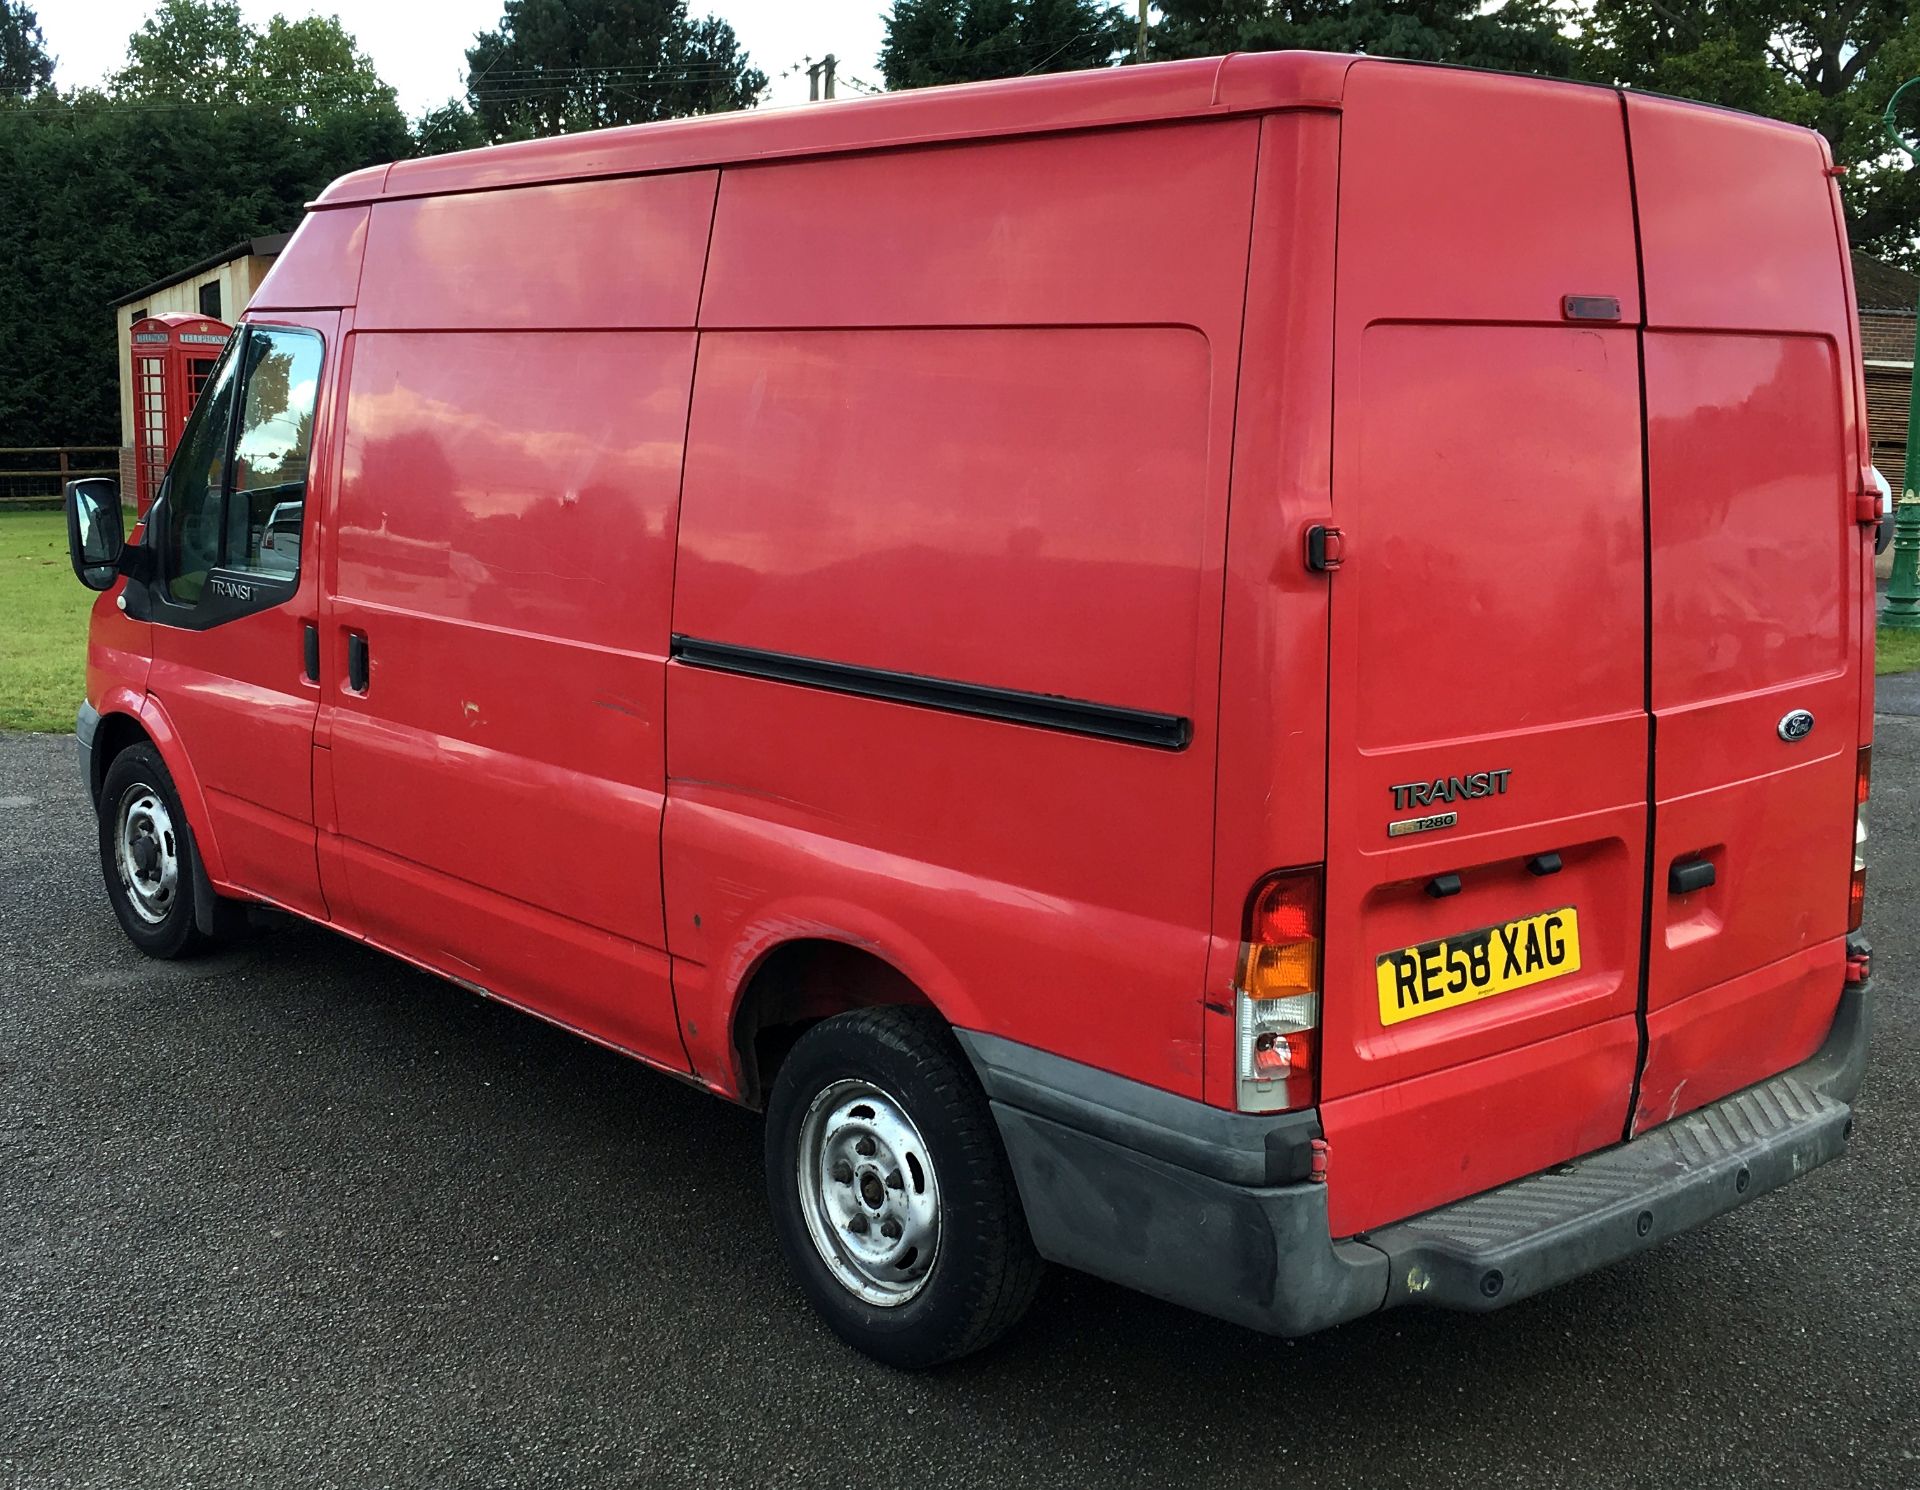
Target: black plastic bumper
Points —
{"points": [[1212, 1210]]}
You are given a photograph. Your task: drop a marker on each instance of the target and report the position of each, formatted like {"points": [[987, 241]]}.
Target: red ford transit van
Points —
{"points": [[1252, 675]]}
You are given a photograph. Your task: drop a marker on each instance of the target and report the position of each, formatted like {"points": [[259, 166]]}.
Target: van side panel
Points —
{"points": [[1046, 555], [1271, 803], [504, 539], [320, 266], [1008, 470], [506, 527], [1488, 618], [587, 255], [1481, 197], [1079, 230], [1758, 586]]}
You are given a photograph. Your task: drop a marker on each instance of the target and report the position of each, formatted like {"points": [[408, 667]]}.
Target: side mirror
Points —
{"points": [[1883, 535], [95, 532]]}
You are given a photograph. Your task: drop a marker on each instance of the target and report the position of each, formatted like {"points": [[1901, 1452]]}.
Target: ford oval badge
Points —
{"points": [[1796, 725]]}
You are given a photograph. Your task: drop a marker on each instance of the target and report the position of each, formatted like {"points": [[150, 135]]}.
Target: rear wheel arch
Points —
{"points": [[795, 985]]}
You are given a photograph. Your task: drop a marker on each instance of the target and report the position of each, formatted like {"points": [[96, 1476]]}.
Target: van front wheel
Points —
{"points": [[146, 855], [890, 1190]]}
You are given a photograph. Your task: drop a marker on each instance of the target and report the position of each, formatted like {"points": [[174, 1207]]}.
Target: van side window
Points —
{"points": [[236, 495]]}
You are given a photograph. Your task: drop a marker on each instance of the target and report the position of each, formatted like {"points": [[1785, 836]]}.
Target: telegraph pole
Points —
{"points": [[1902, 611], [1140, 42]]}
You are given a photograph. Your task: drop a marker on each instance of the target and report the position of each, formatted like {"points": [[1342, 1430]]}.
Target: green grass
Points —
{"points": [[43, 624], [1896, 651]]}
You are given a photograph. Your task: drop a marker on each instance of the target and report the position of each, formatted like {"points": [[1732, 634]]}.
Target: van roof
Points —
{"points": [[1240, 82]]}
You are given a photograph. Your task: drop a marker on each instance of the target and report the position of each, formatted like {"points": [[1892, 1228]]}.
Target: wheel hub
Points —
{"points": [[146, 853], [868, 1192]]}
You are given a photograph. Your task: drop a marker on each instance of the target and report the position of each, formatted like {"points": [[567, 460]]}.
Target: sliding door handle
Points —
{"points": [[358, 670], [310, 651]]}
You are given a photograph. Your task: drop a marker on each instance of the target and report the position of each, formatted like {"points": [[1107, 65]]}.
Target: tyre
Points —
{"points": [[891, 1194], [146, 855]]}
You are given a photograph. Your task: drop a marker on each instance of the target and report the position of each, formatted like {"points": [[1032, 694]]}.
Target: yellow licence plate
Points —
{"points": [[1474, 965]]}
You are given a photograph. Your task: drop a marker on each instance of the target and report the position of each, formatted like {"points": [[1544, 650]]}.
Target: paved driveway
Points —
{"points": [[301, 1216]]}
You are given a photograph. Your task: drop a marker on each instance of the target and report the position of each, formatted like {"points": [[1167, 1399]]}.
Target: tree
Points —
{"points": [[25, 67], [1828, 64], [213, 132], [297, 101], [552, 66], [452, 126], [963, 41], [204, 52], [1516, 36], [193, 51], [311, 66]]}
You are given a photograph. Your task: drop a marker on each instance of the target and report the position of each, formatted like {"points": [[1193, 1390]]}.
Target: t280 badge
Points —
{"points": [[1440, 790]]}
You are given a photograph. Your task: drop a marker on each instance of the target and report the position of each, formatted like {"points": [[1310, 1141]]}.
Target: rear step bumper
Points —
{"points": [[1211, 1210]]}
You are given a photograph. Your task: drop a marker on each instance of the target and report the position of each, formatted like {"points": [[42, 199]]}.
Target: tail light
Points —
{"points": [[1857, 892], [1277, 994]]}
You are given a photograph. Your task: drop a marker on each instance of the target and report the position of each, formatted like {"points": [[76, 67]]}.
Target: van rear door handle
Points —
{"points": [[357, 668], [310, 651], [1688, 875]]}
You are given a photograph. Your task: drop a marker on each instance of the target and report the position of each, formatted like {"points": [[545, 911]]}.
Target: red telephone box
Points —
{"points": [[173, 356]]}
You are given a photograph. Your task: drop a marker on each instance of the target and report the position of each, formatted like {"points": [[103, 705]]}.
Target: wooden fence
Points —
{"points": [[32, 475]]}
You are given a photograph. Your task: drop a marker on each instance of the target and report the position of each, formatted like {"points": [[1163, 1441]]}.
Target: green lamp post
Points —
{"points": [[1902, 611]]}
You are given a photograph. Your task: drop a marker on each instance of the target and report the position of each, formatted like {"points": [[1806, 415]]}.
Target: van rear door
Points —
{"points": [[1760, 592], [1488, 734]]}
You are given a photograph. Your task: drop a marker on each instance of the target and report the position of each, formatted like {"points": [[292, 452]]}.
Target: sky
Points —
{"points": [[418, 45]]}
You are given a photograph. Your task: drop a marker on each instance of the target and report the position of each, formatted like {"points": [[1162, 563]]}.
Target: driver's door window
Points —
{"points": [[196, 483], [236, 494], [270, 456]]}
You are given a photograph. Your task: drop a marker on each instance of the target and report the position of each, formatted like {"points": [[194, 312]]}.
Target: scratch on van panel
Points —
{"points": [[471, 710], [619, 706], [1673, 1102], [791, 928], [708, 784]]}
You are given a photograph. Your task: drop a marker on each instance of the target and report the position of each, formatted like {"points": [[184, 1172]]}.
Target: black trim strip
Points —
{"points": [[1011, 706]]}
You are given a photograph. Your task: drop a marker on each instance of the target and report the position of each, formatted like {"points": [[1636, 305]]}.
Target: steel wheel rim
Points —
{"points": [[869, 1192], [146, 853]]}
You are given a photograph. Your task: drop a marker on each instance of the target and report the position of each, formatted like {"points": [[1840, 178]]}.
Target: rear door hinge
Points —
{"points": [[1325, 548]]}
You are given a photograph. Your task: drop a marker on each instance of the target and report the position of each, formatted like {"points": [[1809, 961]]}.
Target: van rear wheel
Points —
{"points": [[146, 855], [890, 1190]]}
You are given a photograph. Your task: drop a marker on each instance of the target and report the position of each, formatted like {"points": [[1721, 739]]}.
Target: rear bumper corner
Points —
{"points": [[1213, 1210]]}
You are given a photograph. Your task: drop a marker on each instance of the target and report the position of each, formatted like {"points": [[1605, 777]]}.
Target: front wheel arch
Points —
{"points": [[113, 734]]}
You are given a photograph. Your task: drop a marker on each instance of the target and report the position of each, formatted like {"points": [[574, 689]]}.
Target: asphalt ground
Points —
{"points": [[298, 1215]]}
